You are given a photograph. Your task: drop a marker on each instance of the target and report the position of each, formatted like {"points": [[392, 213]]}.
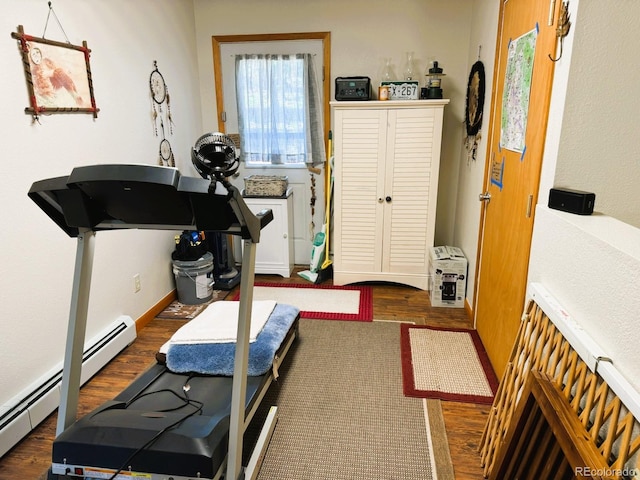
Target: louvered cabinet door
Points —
{"points": [[412, 166], [360, 145], [387, 158]]}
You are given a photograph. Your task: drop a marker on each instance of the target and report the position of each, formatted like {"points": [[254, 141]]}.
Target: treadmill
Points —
{"points": [[164, 425]]}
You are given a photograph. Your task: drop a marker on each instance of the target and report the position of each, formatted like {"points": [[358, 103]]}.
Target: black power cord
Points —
{"points": [[187, 402]]}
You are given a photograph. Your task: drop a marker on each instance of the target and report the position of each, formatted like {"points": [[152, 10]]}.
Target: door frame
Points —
{"points": [[217, 40], [487, 162], [315, 216]]}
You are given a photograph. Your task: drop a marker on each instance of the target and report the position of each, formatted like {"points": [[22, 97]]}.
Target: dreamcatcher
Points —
{"points": [[474, 108], [161, 112]]}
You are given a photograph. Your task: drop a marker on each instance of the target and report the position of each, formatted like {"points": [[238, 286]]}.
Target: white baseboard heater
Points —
{"points": [[35, 403]]}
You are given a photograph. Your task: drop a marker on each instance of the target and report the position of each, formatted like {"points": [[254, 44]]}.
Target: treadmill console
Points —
{"points": [[102, 197]]}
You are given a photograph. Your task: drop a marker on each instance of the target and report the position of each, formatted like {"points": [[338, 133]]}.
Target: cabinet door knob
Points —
{"points": [[388, 199], [380, 200]]}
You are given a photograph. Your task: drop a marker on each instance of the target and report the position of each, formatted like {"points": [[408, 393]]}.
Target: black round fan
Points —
{"points": [[214, 156]]}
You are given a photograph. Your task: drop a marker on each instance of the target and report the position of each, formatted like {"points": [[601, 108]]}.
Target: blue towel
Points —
{"points": [[218, 358]]}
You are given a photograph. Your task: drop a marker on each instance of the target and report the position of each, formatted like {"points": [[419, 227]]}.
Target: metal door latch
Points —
{"points": [[485, 197]]}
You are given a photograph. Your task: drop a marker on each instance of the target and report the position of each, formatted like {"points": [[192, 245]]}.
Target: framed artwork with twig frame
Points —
{"points": [[58, 76]]}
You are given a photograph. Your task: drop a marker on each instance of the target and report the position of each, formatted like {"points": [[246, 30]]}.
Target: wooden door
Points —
{"points": [[514, 161]]}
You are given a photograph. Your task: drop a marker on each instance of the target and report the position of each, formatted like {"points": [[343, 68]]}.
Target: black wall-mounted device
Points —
{"points": [[353, 88], [572, 201]]}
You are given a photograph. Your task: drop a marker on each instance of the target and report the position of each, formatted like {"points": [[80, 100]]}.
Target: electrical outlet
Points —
{"points": [[136, 283]]}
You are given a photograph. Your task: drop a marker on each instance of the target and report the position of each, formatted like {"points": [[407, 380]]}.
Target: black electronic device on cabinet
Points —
{"points": [[353, 88]]}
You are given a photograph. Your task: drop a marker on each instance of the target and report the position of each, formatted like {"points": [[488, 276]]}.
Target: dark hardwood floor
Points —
{"points": [[464, 422]]}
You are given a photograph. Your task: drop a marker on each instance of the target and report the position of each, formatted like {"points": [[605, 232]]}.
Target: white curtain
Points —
{"points": [[279, 110]]}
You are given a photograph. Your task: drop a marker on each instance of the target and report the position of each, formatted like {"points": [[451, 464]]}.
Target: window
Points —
{"points": [[279, 110]]}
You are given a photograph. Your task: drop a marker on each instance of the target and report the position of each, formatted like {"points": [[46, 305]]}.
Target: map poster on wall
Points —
{"points": [[517, 87]]}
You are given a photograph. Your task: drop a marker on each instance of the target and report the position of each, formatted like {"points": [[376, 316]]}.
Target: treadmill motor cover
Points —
{"points": [[125, 431]]}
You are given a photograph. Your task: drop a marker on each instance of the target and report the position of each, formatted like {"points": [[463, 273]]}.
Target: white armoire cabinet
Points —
{"points": [[387, 159]]}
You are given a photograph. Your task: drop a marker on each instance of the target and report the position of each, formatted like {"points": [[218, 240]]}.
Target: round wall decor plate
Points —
{"points": [[475, 99]]}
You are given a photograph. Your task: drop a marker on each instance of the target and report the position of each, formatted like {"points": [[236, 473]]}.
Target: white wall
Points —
{"points": [[592, 264], [363, 33], [482, 46], [125, 38], [599, 150]]}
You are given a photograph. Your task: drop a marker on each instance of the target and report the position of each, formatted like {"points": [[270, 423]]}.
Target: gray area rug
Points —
{"points": [[342, 413]]}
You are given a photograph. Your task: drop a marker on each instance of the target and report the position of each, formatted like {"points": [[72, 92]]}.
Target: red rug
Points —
{"points": [[323, 302], [447, 364]]}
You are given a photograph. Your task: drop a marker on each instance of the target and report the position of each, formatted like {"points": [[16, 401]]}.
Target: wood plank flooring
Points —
{"points": [[464, 422]]}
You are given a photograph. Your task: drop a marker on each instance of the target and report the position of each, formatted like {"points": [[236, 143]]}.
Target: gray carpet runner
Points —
{"points": [[342, 413]]}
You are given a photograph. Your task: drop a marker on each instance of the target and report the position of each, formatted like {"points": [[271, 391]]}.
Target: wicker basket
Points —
{"points": [[265, 185]]}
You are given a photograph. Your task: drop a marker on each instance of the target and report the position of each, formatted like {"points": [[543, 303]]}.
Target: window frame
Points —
{"points": [[218, 40]]}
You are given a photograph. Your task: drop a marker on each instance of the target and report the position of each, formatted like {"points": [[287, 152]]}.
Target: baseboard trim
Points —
{"points": [[153, 312], [468, 310]]}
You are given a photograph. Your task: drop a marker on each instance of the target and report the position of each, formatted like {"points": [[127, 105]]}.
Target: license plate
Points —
{"points": [[402, 90]]}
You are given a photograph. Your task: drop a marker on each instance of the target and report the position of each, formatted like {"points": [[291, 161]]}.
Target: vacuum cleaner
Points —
{"points": [[321, 266], [225, 275]]}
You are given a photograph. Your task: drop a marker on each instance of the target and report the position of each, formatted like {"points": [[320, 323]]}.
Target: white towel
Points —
{"points": [[218, 323]]}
